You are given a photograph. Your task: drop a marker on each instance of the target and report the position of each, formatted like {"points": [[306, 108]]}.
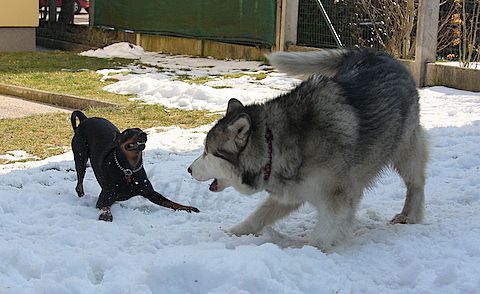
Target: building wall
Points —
{"points": [[18, 20]]}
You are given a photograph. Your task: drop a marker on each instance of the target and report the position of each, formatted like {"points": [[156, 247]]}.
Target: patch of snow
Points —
{"points": [[119, 50], [157, 80], [52, 242], [158, 88], [15, 155]]}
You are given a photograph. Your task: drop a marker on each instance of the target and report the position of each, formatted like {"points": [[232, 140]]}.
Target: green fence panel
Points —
{"points": [[239, 21]]}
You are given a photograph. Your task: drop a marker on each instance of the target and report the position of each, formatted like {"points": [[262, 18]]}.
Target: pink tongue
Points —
{"points": [[214, 186]]}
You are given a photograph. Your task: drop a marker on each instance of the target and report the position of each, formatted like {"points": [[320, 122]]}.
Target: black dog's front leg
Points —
{"points": [[161, 200], [105, 200]]}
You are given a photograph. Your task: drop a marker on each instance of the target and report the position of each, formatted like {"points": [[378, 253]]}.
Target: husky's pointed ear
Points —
{"points": [[240, 129], [234, 106]]}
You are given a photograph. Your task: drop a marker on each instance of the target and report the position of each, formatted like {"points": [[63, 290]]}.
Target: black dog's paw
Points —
{"points": [[106, 216], [188, 209], [79, 191]]}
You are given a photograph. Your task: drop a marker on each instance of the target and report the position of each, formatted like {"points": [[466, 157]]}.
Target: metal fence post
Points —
{"points": [[52, 11], [426, 40], [91, 14]]}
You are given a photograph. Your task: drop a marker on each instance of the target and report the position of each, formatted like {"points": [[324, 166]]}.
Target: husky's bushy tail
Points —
{"points": [[325, 62], [81, 116]]}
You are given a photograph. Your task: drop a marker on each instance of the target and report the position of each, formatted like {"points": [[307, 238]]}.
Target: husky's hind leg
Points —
{"points": [[266, 214], [411, 163]]}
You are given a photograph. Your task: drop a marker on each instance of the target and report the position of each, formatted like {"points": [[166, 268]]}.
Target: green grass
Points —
{"points": [[60, 72], [204, 79], [68, 73], [258, 76], [49, 134], [193, 80]]}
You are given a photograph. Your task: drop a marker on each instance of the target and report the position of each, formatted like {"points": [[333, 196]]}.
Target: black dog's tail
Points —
{"points": [[81, 116]]}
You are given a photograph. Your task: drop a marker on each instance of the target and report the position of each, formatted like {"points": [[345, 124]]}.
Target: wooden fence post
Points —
{"points": [[287, 20], [426, 40], [278, 27], [291, 22]]}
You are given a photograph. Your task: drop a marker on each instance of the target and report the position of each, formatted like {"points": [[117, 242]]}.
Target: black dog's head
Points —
{"points": [[131, 140]]}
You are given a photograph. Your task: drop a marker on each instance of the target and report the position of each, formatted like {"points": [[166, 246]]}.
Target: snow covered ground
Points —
{"points": [[51, 242], [156, 79]]}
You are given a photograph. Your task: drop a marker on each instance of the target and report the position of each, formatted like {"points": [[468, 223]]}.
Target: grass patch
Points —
{"points": [[68, 73], [204, 79], [222, 87], [49, 134], [257, 76], [60, 72], [193, 80]]}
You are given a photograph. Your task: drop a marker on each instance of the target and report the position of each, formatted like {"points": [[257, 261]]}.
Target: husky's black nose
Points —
{"points": [[189, 170]]}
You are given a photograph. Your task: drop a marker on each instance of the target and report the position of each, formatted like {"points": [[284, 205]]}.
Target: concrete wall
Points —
{"points": [[18, 20], [17, 39], [437, 74], [452, 76]]}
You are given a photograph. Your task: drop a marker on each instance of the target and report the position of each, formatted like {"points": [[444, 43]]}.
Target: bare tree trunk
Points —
{"points": [[463, 47], [66, 13], [410, 23], [472, 36]]}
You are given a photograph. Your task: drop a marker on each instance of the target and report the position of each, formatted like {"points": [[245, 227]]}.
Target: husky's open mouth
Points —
{"points": [[217, 186], [214, 187]]}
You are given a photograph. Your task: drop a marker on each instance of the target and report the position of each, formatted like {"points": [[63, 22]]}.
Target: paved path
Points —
{"points": [[11, 107]]}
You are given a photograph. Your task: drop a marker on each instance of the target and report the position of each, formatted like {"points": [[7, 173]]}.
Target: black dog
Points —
{"points": [[116, 160]]}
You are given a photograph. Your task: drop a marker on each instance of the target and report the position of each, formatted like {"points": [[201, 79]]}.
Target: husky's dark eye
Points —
{"points": [[225, 156], [220, 156], [131, 145]]}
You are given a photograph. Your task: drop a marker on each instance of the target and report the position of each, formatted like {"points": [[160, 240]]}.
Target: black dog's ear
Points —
{"points": [[234, 106], [116, 137]]}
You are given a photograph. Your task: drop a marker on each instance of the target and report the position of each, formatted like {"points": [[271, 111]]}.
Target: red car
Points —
{"points": [[77, 4]]}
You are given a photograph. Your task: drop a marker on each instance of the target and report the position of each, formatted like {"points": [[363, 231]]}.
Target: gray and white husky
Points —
{"points": [[323, 143]]}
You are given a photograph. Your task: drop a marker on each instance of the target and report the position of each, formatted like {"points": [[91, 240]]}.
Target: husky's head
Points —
{"points": [[221, 158]]}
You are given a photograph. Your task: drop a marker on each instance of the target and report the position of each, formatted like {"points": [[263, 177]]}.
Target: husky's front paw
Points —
{"points": [[241, 229], [404, 219], [324, 245]]}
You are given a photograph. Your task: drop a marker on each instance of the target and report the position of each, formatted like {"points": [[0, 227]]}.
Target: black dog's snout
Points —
{"points": [[189, 170], [143, 137]]}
